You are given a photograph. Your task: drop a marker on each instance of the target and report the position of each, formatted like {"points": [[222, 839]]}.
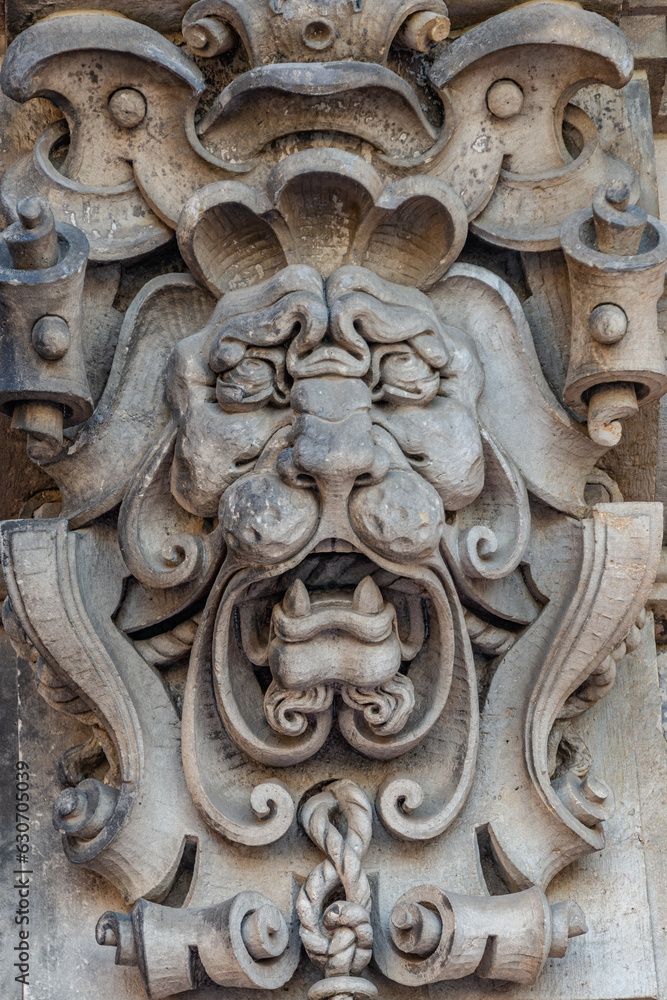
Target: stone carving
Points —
{"points": [[626, 245], [323, 465], [454, 934], [338, 940], [42, 276], [242, 942]]}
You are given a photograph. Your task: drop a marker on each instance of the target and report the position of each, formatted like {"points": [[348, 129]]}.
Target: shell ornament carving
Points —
{"points": [[317, 472]]}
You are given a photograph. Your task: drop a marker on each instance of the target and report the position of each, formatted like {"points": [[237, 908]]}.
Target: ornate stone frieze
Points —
{"points": [[337, 567]]}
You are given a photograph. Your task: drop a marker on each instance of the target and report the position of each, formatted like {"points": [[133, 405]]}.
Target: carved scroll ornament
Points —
{"points": [[325, 469]]}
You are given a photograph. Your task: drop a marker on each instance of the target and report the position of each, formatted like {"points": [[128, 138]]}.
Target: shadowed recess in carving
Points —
{"points": [[496, 879], [177, 892]]}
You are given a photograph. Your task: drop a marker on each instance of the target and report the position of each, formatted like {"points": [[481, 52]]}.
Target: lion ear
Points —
{"points": [[523, 417], [94, 472]]}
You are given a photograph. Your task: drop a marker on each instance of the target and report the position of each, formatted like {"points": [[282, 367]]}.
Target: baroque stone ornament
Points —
{"points": [[337, 568]]}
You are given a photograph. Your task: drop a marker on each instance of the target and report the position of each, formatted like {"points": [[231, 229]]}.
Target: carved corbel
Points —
{"points": [[506, 84], [328, 516], [616, 257], [244, 942]]}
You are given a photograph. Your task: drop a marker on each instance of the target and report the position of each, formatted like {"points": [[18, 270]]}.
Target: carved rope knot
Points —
{"points": [[338, 938]]}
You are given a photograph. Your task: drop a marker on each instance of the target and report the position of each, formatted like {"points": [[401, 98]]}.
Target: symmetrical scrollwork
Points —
{"points": [[325, 542]]}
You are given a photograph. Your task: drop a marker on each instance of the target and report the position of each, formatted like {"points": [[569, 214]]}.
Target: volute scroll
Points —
{"points": [[520, 192], [588, 639]]}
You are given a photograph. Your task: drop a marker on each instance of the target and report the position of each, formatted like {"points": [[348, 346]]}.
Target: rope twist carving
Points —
{"points": [[338, 939]]}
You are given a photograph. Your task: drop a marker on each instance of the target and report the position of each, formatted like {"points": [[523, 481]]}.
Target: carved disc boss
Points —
{"points": [[333, 568]]}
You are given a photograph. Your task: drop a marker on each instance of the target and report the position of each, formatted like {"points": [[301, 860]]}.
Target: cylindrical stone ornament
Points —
{"points": [[616, 258], [43, 381]]}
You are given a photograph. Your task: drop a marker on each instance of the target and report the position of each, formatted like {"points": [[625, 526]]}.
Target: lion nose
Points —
{"points": [[332, 442]]}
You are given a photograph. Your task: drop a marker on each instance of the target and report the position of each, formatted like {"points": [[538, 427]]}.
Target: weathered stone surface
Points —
{"points": [[339, 343], [626, 922]]}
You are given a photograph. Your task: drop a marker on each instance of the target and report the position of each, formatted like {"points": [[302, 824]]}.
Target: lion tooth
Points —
{"points": [[367, 597], [296, 602]]}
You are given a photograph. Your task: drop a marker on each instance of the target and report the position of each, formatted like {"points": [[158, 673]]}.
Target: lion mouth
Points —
{"points": [[271, 102], [336, 626], [336, 619], [340, 633]]}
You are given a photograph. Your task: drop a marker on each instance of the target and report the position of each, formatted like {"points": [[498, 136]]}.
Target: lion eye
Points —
{"points": [[407, 378]]}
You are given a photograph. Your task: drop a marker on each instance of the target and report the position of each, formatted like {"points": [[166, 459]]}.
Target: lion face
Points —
{"points": [[329, 425]]}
